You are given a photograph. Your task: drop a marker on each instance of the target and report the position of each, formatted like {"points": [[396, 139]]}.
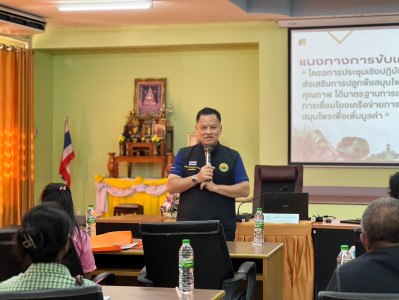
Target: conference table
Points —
{"points": [[298, 250], [298, 255], [309, 252], [144, 293], [268, 258]]}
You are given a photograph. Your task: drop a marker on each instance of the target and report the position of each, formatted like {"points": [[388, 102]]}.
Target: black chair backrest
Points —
{"points": [[268, 178], [11, 264], [93, 292], [162, 241], [329, 295]]}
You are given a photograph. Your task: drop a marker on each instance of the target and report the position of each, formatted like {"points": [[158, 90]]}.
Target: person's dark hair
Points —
{"points": [[394, 185], [44, 232], [380, 222], [208, 111], [61, 194]]}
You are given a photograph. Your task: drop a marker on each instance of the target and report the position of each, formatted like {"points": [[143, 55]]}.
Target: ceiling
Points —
{"points": [[165, 12]]}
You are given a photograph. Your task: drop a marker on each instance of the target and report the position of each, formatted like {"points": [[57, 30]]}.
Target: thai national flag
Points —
{"points": [[67, 156]]}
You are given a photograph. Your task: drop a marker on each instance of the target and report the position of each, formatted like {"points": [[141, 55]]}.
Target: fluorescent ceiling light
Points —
{"points": [[103, 5]]}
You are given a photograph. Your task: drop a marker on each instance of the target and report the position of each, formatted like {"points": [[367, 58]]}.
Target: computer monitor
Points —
{"points": [[286, 203]]}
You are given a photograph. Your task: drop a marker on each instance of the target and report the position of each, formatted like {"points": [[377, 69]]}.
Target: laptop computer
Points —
{"points": [[286, 203]]}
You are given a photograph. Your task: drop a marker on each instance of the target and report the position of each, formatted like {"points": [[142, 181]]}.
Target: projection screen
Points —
{"points": [[344, 96]]}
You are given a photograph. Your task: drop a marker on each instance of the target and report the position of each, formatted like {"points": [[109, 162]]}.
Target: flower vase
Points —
{"points": [[155, 150], [171, 215]]}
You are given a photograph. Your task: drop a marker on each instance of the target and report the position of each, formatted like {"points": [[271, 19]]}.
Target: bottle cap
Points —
{"points": [[186, 241], [259, 209], [91, 205], [344, 247]]}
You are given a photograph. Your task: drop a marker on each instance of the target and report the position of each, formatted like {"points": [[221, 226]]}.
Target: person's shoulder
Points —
{"points": [[81, 236], [10, 283], [387, 251], [225, 148], [357, 265], [189, 148], [84, 233]]}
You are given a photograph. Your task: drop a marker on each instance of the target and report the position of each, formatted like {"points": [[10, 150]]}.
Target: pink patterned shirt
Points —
{"points": [[83, 247]]}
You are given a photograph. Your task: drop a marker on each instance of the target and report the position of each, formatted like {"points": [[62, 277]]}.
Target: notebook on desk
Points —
{"points": [[286, 203]]}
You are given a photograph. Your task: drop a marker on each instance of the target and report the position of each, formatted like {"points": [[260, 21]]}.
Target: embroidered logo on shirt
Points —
{"points": [[192, 163], [223, 167]]}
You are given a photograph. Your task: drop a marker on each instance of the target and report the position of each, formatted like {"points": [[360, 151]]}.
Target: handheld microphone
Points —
{"points": [[208, 150]]}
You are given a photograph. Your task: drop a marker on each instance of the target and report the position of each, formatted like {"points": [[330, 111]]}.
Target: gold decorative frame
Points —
{"points": [[149, 97], [159, 130]]}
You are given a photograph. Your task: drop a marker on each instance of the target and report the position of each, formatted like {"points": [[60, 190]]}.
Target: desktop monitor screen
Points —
{"points": [[286, 203]]}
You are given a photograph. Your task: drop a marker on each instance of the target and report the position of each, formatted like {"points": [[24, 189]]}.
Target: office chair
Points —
{"points": [[276, 179], [328, 295], [213, 268], [12, 264], [93, 292]]}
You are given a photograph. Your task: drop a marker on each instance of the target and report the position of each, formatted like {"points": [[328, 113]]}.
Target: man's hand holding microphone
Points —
{"points": [[205, 175]]}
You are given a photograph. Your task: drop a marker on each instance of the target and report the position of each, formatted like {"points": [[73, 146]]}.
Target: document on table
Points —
{"points": [[126, 246]]}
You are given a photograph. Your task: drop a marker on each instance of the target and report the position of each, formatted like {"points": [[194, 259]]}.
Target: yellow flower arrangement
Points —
{"points": [[122, 139], [156, 140]]}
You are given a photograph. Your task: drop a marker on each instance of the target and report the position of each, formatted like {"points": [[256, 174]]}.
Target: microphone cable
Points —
{"points": [[245, 216]]}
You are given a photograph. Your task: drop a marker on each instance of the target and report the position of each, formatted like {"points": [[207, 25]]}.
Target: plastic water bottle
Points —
{"points": [[344, 256], [186, 268], [91, 220], [259, 234], [352, 251]]}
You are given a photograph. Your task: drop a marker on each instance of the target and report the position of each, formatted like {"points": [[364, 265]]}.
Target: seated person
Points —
{"points": [[376, 271], [60, 193], [394, 185], [44, 236]]}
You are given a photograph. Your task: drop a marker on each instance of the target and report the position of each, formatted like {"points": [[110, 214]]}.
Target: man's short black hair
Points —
{"points": [[208, 111]]}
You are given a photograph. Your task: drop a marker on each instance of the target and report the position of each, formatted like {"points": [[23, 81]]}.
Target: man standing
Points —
{"points": [[376, 271], [208, 191]]}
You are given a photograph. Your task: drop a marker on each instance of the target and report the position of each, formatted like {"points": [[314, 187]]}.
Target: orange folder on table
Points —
{"points": [[111, 241]]}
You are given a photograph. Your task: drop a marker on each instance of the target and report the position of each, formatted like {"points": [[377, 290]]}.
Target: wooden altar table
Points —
{"points": [[166, 162], [150, 193]]}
